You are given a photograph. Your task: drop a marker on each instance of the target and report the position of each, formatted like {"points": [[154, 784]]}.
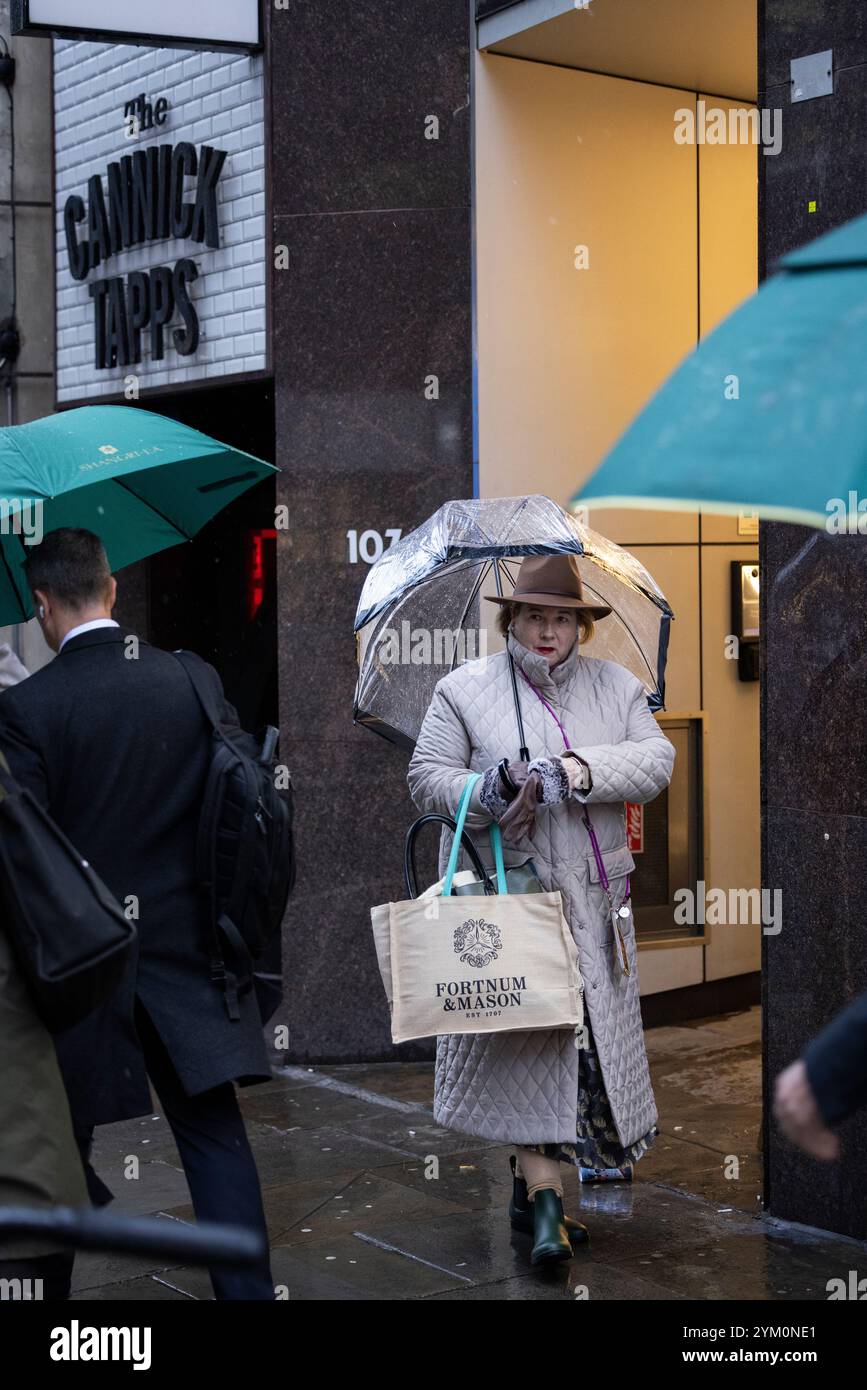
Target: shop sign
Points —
{"points": [[635, 827], [211, 24], [146, 200]]}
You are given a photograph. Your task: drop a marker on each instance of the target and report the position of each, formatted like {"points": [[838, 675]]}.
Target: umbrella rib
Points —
{"points": [[486, 565], [138, 497]]}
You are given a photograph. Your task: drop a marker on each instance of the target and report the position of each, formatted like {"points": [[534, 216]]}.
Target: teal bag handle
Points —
{"points": [[460, 819], [496, 841]]}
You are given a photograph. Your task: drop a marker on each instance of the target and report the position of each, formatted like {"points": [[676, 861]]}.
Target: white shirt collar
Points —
{"points": [[86, 627]]}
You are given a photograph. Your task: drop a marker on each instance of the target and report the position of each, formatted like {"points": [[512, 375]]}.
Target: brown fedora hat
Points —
{"points": [[550, 580]]}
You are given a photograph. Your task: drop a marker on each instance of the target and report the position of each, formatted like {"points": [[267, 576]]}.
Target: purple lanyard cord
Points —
{"points": [[603, 877]]}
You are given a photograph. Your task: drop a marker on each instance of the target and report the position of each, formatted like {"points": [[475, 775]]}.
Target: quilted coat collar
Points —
{"points": [[536, 668]]}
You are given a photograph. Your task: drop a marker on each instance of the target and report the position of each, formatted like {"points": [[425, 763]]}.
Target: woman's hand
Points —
{"points": [[546, 783], [513, 775], [509, 794], [553, 780], [500, 786], [578, 772], [519, 818]]}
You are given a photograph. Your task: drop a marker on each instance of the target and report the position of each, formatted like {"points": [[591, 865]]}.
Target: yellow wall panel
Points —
{"points": [[728, 251], [567, 356], [732, 709]]}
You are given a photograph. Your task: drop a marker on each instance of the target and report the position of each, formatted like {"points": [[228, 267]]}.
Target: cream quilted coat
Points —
{"points": [[523, 1087]]}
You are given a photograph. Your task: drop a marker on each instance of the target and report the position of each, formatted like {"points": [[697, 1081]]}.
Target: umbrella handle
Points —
{"points": [[524, 750]]}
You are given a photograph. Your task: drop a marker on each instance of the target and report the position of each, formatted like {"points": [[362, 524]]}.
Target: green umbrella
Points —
{"points": [[769, 413], [142, 482]]}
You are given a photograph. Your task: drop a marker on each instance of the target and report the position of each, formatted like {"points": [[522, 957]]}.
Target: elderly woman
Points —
{"points": [[557, 1095]]}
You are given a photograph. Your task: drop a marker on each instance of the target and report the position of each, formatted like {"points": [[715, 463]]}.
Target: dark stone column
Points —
{"points": [[814, 623], [375, 219], [132, 607]]}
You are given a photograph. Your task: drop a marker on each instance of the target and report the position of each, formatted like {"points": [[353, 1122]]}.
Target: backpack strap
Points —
{"points": [[228, 980], [204, 689]]}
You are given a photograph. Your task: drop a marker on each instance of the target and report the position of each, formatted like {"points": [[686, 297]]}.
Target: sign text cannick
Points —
{"points": [[146, 201]]}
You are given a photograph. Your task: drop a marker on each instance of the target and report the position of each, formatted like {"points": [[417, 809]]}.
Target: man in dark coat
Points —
{"points": [[111, 739]]}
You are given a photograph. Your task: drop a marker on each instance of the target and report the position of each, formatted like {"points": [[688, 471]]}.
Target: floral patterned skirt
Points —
{"points": [[596, 1144]]}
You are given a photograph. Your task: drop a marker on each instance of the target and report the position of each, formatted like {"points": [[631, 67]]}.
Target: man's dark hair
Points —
{"points": [[71, 565]]}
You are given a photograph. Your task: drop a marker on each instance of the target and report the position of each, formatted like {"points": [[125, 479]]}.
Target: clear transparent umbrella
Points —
{"points": [[419, 612]]}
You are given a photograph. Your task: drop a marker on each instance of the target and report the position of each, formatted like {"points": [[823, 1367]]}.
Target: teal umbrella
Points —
{"points": [[141, 481], [769, 413]]}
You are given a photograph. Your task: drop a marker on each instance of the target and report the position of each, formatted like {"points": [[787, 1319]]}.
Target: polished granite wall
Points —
{"points": [[814, 619], [375, 297]]}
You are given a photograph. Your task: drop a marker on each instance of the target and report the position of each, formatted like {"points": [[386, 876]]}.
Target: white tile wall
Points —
{"points": [[215, 99]]}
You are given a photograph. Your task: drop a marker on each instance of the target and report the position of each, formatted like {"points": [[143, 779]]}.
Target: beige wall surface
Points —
{"points": [[567, 357]]}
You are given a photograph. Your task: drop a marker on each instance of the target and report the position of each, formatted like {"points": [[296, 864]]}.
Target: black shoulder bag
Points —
{"points": [[68, 933]]}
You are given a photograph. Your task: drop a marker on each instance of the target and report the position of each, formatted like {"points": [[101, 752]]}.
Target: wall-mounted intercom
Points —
{"points": [[745, 616]]}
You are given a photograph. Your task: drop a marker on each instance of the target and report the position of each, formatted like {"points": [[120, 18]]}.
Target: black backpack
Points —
{"points": [[245, 850]]}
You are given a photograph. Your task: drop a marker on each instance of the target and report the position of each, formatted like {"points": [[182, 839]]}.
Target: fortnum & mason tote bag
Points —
{"points": [[490, 963]]}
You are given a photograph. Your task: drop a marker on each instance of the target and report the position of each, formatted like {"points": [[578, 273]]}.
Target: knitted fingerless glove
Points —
{"points": [[553, 780], [491, 793]]}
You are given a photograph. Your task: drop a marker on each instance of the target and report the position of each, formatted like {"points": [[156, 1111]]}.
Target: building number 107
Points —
{"points": [[370, 544]]}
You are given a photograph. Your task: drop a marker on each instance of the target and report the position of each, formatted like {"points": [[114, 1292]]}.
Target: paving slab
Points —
{"points": [[132, 1290]]}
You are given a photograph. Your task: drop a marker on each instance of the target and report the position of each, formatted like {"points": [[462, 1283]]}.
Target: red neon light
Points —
{"points": [[256, 568]]}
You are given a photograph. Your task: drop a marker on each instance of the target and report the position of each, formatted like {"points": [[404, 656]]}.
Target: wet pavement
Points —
{"points": [[367, 1198]]}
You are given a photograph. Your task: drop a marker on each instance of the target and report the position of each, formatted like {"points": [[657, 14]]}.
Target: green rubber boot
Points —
{"points": [[551, 1244], [521, 1211]]}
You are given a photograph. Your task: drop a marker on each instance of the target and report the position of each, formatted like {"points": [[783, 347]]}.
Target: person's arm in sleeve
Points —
{"points": [[636, 769], [22, 754], [440, 765], [12, 669], [836, 1062]]}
